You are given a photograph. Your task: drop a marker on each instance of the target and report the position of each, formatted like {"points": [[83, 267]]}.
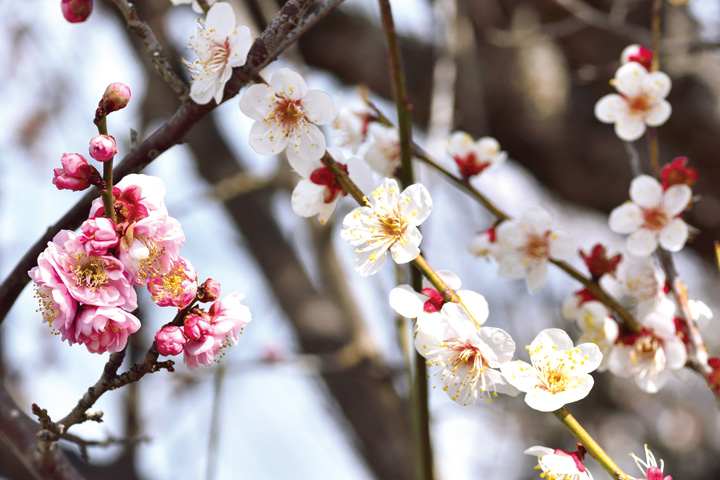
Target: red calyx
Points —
{"points": [[677, 173], [324, 176], [599, 263]]}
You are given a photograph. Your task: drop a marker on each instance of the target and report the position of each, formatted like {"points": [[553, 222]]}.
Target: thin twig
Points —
{"points": [[600, 19]]}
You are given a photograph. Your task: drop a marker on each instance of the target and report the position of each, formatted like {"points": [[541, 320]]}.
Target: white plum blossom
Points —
{"points": [[383, 153], [352, 128], [652, 216], [219, 46], [638, 285], [596, 325], [524, 247], [195, 5], [558, 464], [469, 356], [559, 372], [641, 101], [318, 192], [388, 222], [411, 304], [649, 467], [483, 244], [286, 116], [473, 157]]}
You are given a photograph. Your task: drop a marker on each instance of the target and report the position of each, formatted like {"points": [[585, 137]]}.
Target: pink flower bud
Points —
{"points": [[638, 54], [116, 96], [76, 173], [170, 340], [102, 148], [208, 291], [196, 327], [76, 11], [98, 235]]}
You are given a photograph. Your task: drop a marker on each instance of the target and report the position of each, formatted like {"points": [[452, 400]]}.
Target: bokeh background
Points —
{"points": [[317, 387]]}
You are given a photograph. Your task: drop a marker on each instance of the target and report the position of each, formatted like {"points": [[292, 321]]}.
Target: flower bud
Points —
{"points": [[208, 291], [638, 54], [196, 327], [170, 340], [102, 148], [76, 11], [76, 173], [116, 96]]}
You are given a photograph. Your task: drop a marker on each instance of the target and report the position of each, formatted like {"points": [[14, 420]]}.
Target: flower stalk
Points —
{"points": [[107, 194]]}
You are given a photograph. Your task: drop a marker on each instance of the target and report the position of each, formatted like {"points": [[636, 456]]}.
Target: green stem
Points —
{"points": [[590, 444], [107, 194]]}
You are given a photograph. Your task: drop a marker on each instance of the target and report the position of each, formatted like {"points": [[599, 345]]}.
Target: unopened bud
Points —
{"points": [[208, 291], [76, 173], [116, 96], [76, 11], [102, 148], [196, 327], [170, 340], [637, 53]]}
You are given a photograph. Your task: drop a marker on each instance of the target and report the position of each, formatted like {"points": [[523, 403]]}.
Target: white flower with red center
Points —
{"points": [[649, 466], [473, 157], [411, 304], [469, 356], [104, 329], [652, 217], [483, 243], [383, 152], [560, 465], [319, 191], [524, 248], [352, 128], [388, 222], [286, 116], [641, 101], [559, 373], [177, 287], [650, 355], [219, 46]]}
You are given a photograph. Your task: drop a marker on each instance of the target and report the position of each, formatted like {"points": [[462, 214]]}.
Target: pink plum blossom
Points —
{"points": [[57, 306], [76, 173], [175, 288], [98, 235], [640, 102], [209, 335], [104, 329], [469, 355], [473, 157], [383, 152], [219, 46], [286, 114], [388, 222], [116, 97], [136, 197], [76, 11], [559, 373], [318, 192], [560, 465], [170, 340], [653, 216], [102, 148], [525, 247]]}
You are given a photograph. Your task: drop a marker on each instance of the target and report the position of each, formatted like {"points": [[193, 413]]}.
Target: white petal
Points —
{"points": [[657, 84], [406, 301], [240, 41], [539, 451], [646, 191], [267, 138], [450, 279], [511, 266], [552, 336], [306, 198], [642, 243], [537, 218], [676, 199], [562, 245], [306, 144], [658, 114], [418, 203], [221, 17], [536, 276], [627, 218], [368, 263], [319, 107], [592, 357], [459, 144], [360, 173], [674, 235], [610, 107], [202, 91], [475, 304], [519, 374], [500, 343], [257, 101], [629, 128], [629, 79], [288, 83], [675, 354], [408, 249]]}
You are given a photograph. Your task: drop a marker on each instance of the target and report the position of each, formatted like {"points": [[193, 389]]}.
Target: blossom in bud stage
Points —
{"points": [[388, 222], [286, 114], [411, 304], [209, 291], [208, 336], [195, 5], [559, 372], [175, 288], [560, 465], [641, 101], [319, 191], [483, 243], [102, 148], [76, 173], [678, 173], [473, 157], [649, 467], [76, 11], [219, 46], [116, 97], [104, 329], [170, 340], [525, 247], [469, 356], [383, 152], [599, 263], [98, 235], [652, 216], [637, 53]]}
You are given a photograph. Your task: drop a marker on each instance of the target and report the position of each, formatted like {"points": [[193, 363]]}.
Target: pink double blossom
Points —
{"points": [[98, 235], [170, 340], [75, 174], [104, 329], [175, 288]]}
